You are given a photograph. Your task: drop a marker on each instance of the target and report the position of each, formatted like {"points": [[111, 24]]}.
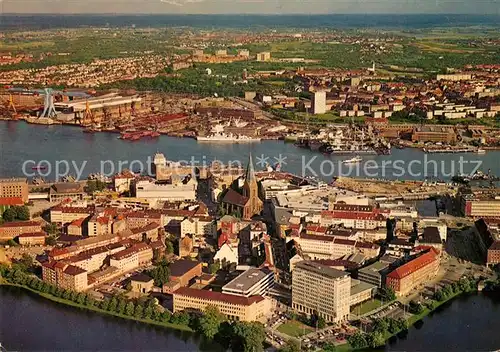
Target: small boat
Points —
{"points": [[39, 168], [354, 160], [481, 151]]}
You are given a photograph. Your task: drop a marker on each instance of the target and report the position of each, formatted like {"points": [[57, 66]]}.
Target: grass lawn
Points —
{"points": [[367, 306], [294, 328]]}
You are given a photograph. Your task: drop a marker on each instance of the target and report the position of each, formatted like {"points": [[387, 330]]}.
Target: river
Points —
{"points": [[36, 145], [31, 323]]}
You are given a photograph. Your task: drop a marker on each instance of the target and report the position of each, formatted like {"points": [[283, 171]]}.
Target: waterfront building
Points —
{"points": [[93, 259], [488, 242], [66, 190], [141, 283], [32, 239], [65, 276], [414, 273], [10, 230], [434, 134], [14, 188], [318, 289], [252, 282], [235, 308]]}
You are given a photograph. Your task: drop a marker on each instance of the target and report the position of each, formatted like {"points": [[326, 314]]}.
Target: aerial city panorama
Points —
{"points": [[249, 175]]}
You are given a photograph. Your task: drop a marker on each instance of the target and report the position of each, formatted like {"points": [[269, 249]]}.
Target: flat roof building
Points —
{"points": [[250, 283], [374, 273], [319, 289]]}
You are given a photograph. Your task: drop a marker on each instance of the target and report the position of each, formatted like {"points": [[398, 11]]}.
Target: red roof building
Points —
{"points": [[414, 273]]}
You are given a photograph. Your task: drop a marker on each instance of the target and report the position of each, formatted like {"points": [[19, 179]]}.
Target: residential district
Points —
{"points": [[319, 264]]}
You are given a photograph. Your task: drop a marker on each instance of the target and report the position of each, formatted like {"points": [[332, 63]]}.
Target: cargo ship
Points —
{"points": [[137, 135], [227, 138]]}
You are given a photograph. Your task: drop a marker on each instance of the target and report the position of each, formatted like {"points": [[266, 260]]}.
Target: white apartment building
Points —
{"points": [[319, 289]]}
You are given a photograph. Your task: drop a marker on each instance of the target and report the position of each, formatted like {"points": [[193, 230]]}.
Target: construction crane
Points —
{"points": [[49, 109], [11, 105], [88, 116]]}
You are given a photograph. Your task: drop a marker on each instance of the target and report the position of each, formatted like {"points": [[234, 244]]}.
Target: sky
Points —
{"points": [[252, 6]]}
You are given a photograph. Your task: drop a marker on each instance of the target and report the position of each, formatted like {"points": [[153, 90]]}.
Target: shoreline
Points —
{"points": [[346, 347], [62, 301], [285, 138]]}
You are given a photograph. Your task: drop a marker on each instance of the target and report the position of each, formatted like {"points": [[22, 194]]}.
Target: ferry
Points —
{"points": [[354, 160], [227, 138]]}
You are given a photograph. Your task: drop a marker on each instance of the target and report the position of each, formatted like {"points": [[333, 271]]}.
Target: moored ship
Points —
{"points": [[227, 138]]}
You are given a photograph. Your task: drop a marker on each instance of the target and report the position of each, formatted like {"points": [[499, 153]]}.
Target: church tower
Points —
{"points": [[251, 191]]}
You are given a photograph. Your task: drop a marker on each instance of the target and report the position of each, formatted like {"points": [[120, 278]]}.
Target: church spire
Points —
{"points": [[250, 174]]}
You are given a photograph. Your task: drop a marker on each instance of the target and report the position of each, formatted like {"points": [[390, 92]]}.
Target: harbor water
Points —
{"points": [[25, 146]]}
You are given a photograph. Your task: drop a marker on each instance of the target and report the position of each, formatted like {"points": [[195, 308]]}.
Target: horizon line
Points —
{"points": [[242, 14]]}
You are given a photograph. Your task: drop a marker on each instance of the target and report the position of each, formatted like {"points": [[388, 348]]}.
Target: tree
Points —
{"points": [[210, 321], [51, 228], [161, 273], [166, 317], [321, 323], [138, 312], [180, 318], [22, 213], [292, 345], [249, 337], [26, 262], [214, 267], [9, 214], [51, 241], [357, 340], [169, 247], [375, 339], [387, 294], [439, 295], [12, 243], [89, 301], [120, 308], [129, 309], [148, 312], [80, 298], [128, 287], [104, 304], [113, 304], [415, 307], [329, 347]]}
